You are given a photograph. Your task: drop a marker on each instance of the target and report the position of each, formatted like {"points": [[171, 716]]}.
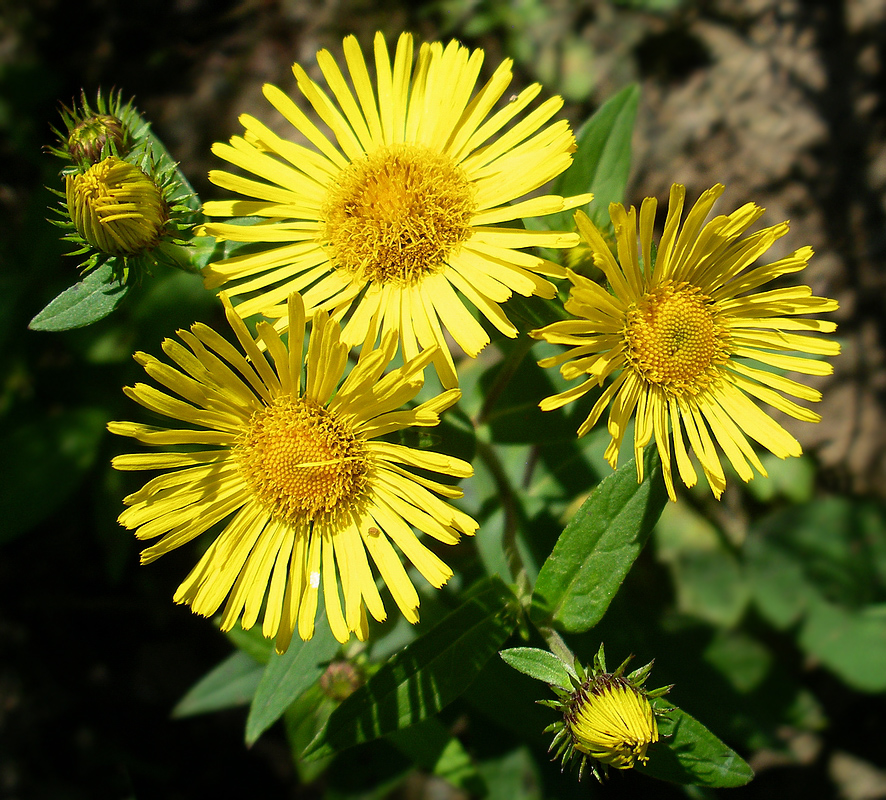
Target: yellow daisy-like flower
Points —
{"points": [[680, 338], [297, 468], [396, 214]]}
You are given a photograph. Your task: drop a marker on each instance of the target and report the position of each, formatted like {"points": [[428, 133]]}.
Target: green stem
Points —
{"points": [[557, 646], [507, 371], [516, 566]]}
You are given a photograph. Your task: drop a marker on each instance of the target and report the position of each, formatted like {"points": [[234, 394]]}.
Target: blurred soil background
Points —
{"points": [[781, 100]]}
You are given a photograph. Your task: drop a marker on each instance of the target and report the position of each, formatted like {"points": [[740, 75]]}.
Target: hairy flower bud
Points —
{"points": [[116, 207], [612, 721], [95, 137]]}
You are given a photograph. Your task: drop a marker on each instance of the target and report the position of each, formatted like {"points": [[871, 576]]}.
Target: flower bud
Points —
{"points": [[96, 137], [116, 207], [611, 721], [606, 718], [340, 680]]}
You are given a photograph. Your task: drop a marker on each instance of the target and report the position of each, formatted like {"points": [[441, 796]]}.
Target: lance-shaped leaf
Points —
{"points": [[231, 683], [287, 676], [598, 547], [539, 664], [689, 753], [426, 675], [88, 301], [602, 162]]}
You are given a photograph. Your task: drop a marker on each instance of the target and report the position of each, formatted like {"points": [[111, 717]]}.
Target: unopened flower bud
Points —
{"points": [[341, 680], [95, 137], [611, 721], [606, 718], [116, 207]]}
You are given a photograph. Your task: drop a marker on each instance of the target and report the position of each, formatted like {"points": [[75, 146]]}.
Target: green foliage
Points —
{"points": [[708, 577], [232, 683], [560, 562], [88, 301], [430, 745], [820, 568], [539, 664], [426, 675], [598, 547], [602, 162], [689, 753], [287, 676], [43, 462]]}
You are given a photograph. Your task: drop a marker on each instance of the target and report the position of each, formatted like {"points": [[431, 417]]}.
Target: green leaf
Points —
{"points": [[287, 676], [433, 748], [602, 162], [252, 642], [42, 462], [88, 301], [513, 776], [303, 720], [688, 753], [538, 664], [820, 568], [597, 548], [426, 675], [850, 643], [232, 683]]}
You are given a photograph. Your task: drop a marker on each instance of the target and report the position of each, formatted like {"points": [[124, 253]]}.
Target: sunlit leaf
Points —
{"points": [[688, 753], [598, 546], [602, 162], [287, 676], [538, 664]]}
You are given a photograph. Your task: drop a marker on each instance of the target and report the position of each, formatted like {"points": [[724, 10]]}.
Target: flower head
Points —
{"points": [[116, 207], [677, 335], [296, 468], [394, 218], [607, 720]]}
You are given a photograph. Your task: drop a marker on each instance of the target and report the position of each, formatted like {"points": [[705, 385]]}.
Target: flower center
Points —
{"points": [[397, 214], [301, 461], [116, 207], [673, 338]]}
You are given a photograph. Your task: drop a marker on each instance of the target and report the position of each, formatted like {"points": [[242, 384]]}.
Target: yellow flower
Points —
{"points": [[613, 722], [606, 718], [116, 207], [394, 217], [678, 334], [297, 469]]}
